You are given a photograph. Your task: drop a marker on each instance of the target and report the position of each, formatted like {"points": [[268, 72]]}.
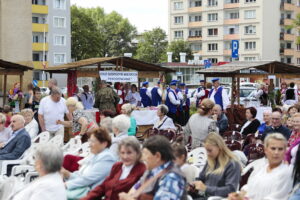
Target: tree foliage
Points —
{"points": [[180, 46], [152, 46], [97, 34]]}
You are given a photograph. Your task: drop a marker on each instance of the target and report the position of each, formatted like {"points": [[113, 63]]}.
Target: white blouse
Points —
{"points": [[165, 123], [125, 171]]}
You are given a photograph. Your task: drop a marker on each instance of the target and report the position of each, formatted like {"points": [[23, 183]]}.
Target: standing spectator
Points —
{"points": [[127, 110], [252, 124], [31, 126], [5, 132], [267, 121], [156, 94], [198, 93], [184, 108], [87, 98], [118, 88], [145, 93], [220, 117], [133, 97], [34, 102], [276, 126], [201, 124], [28, 95], [53, 108], [291, 95], [8, 114], [106, 98], [51, 84], [218, 95], [172, 101]]}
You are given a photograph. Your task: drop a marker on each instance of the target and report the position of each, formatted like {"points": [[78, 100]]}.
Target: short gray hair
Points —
{"points": [[55, 91], [25, 111], [53, 81], [128, 108], [121, 122], [19, 117], [275, 136], [132, 142], [51, 157], [163, 109], [107, 123], [2, 118]]}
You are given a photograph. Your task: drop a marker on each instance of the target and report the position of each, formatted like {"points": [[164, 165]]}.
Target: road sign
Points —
{"points": [[207, 64], [35, 83], [234, 48]]}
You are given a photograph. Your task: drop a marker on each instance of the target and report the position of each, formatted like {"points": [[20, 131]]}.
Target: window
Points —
{"points": [[35, 38], [250, 45], [249, 30], [234, 1], [59, 22], [59, 58], [178, 5], [289, 60], [60, 4], [178, 34], [195, 33], [35, 2], [212, 2], [35, 57], [59, 40], [35, 20], [178, 20], [298, 61], [250, 1], [213, 60], [289, 31], [213, 47], [213, 17], [250, 14], [197, 18], [288, 45], [250, 58], [196, 47], [198, 3], [231, 31], [289, 15], [234, 15], [298, 47], [212, 31]]}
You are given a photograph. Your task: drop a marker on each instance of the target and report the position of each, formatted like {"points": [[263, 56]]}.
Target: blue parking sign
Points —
{"points": [[207, 64], [234, 48]]}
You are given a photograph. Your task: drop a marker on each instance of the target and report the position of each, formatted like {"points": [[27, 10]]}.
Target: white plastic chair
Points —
{"points": [[198, 157], [72, 145], [42, 138], [57, 140], [84, 149]]}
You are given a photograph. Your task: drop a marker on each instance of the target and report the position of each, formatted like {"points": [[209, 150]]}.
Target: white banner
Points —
{"points": [[119, 76]]}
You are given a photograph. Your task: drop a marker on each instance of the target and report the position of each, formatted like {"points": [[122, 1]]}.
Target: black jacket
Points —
{"points": [[251, 128]]}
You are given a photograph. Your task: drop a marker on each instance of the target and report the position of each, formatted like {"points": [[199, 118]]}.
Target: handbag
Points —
{"points": [[77, 193]]}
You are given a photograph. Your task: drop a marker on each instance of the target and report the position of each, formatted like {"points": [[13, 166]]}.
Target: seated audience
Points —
{"points": [[127, 109], [120, 126], [276, 126], [295, 194], [89, 176], [8, 114], [107, 123], [252, 124], [220, 117], [164, 122], [31, 125], [162, 180], [267, 121], [294, 140], [124, 174], [18, 142], [273, 179], [289, 122], [200, 124], [107, 113], [49, 185], [221, 174], [5, 133]]}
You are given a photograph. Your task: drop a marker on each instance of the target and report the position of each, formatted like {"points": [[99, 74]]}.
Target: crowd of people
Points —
{"points": [[119, 166]]}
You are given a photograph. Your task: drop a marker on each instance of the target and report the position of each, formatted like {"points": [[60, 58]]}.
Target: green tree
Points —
{"points": [[152, 46], [180, 46]]}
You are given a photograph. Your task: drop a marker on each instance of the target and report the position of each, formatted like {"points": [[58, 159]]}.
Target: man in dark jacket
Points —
{"points": [[18, 142], [220, 117]]}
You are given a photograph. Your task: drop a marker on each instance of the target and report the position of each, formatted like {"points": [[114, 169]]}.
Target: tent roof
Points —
{"points": [[124, 61], [23, 66]]}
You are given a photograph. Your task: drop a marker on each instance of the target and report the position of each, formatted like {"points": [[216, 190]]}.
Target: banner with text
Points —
{"points": [[119, 76]]}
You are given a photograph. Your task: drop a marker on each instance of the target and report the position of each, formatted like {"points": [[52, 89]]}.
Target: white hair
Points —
{"points": [[128, 108], [51, 157], [275, 136], [121, 122]]}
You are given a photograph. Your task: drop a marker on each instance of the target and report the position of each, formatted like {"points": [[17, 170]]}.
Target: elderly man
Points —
{"points": [[276, 126], [218, 95], [106, 98], [53, 108], [267, 114], [18, 142], [222, 121], [271, 177]]}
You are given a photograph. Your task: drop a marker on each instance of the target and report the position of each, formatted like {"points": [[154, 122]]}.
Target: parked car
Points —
{"points": [[245, 94]]}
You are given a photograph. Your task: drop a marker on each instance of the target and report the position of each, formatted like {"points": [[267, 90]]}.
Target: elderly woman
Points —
{"points": [[89, 176], [127, 109], [252, 124], [5, 133], [294, 140], [81, 124], [200, 124], [124, 174], [163, 179], [31, 125], [273, 178], [221, 174], [164, 122], [49, 185], [120, 126]]}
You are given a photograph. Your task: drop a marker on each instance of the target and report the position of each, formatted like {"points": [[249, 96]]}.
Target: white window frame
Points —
{"points": [[212, 47], [60, 53], [58, 35], [213, 32], [252, 16], [251, 30], [177, 36], [250, 46], [250, 1], [59, 17], [249, 58], [212, 17], [177, 3], [60, 8], [179, 20], [212, 3]]}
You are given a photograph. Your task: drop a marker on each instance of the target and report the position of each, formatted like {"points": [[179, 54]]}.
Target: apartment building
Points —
{"points": [[258, 25], [51, 34]]}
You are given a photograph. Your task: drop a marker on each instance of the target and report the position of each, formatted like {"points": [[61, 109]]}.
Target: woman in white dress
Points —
{"points": [[164, 122]]}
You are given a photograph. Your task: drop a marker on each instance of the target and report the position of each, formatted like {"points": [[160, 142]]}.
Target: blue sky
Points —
{"points": [[144, 14]]}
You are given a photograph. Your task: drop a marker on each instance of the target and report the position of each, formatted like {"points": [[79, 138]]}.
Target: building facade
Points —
{"points": [[258, 25], [51, 34]]}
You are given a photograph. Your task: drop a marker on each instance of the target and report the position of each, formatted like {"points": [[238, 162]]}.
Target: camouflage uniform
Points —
{"points": [[106, 99]]}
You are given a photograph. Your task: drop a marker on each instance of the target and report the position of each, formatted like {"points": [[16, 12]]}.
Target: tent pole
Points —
{"points": [[4, 89]]}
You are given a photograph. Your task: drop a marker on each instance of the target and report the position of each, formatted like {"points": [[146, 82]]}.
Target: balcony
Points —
{"points": [[39, 64], [40, 46], [194, 38], [231, 5], [39, 9], [288, 21], [232, 37], [195, 24], [289, 37], [39, 27], [287, 6], [231, 21], [227, 52], [195, 9], [288, 52]]}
